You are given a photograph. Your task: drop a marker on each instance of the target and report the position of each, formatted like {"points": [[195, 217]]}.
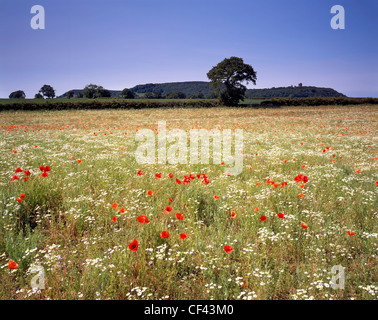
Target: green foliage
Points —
{"points": [[47, 91], [38, 96], [70, 94], [17, 95], [231, 73], [127, 94], [176, 95], [292, 92]]}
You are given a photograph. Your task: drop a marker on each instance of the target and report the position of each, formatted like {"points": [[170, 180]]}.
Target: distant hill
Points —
{"points": [[195, 87]]}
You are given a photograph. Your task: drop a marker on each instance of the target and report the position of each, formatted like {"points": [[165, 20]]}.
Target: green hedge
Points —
{"points": [[104, 104], [79, 104]]}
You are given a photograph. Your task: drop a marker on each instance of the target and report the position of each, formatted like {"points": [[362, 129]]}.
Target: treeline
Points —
{"points": [[293, 92], [97, 104], [340, 101]]}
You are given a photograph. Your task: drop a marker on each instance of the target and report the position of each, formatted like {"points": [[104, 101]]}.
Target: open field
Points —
{"points": [[68, 223]]}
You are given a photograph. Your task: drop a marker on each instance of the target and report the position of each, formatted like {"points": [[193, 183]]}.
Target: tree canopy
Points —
{"points": [[231, 72], [47, 91], [17, 95]]}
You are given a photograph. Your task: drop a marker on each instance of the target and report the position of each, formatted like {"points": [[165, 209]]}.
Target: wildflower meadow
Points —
{"points": [[81, 218]]}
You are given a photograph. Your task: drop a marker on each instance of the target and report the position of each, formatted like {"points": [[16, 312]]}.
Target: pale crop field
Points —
{"points": [[263, 234]]}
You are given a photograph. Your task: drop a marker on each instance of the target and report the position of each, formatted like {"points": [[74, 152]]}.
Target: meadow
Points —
{"points": [[74, 200]]}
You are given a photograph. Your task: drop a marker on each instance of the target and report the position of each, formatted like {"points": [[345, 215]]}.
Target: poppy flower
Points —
{"points": [[14, 151], [133, 246], [114, 219], [168, 209], [228, 249], [26, 179], [27, 173], [206, 181], [281, 215], [170, 199], [351, 233], [22, 196], [257, 183], [42, 168], [158, 175], [216, 197], [19, 199], [256, 209], [12, 265], [122, 210], [275, 185], [300, 195], [285, 161], [14, 178], [183, 236], [358, 171], [36, 146], [44, 174], [18, 170], [178, 181], [143, 219], [179, 216], [304, 225], [150, 193], [140, 172], [115, 205], [303, 166], [263, 218], [376, 183], [233, 214], [283, 184], [164, 234], [170, 175]]}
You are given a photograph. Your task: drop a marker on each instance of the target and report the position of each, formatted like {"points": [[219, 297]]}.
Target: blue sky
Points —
{"points": [[120, 43]]}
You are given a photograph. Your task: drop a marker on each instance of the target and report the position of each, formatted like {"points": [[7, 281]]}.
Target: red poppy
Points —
{"points": [[14, 178], [12, 265], [233, 214], [183, 236], [18, 170], [115, 205], [143, 219], [133, 246], [283, 184], [228, 249], [216, 197], [164, 234], [256, 209], [79, 161], [139, 173], [158, 175], [14, 151], [301, 177], [179, 216], [44, 174], [19, 199], [257, 183], [27, 173], [114, 219], [351, 233], [150, 193], [281, 215], [358, 171], [178, 181], [304, 225], [168, 209], [22, 196], [42, 168], [170, 175], [300, 195], [262, 218], [122, 210], [170, 199]]}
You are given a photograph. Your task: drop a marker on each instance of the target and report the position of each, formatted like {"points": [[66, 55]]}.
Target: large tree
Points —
{"points": [[127, 94], [47, 91], [90, 91], [17, 95], [231, 72]]}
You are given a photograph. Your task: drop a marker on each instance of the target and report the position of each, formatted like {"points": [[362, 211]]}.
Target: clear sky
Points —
{"points": [[120, 43]]}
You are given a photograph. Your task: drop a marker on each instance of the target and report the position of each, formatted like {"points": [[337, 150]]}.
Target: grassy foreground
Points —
{"points": [[69, 224]]}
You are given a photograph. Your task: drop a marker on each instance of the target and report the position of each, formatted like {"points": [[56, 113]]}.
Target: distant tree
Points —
{"points": [[153, 95], [90, 91], [199, 95], [79, 95], [70, 94], [38, 96], [176, 95], [127, 94], [231, 72], [47, 91], [102, 93], [17, 95]]}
